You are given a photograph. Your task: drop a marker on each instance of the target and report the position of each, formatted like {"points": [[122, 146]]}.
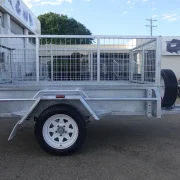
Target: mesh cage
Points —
{"points": [[72, 58]]}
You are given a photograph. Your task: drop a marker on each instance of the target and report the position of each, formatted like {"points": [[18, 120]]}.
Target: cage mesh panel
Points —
{"points": [[76, 59]]}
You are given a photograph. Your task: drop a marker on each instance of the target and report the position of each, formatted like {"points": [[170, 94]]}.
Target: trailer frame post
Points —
{"points": [[98, 59], [142, 65], [158, 61], [37, 59]]}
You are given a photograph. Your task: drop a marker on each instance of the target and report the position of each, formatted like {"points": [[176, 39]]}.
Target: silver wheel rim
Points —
{"points": [[60, 131], [162, 90]]}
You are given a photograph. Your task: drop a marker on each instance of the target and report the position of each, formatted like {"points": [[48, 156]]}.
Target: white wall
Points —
{"points": [[21, 60], [22, 14], [171, 62]]}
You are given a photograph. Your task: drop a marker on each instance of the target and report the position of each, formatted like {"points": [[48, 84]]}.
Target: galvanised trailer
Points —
{"points": [[64, 82]]}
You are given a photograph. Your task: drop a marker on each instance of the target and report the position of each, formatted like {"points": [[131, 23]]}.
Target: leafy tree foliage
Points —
{"points": [[55, 24]]}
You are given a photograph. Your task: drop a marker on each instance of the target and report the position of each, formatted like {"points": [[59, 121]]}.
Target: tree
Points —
{"points": [[55, 24]]}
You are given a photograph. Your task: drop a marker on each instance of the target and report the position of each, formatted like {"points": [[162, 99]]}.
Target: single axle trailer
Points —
{"points": [[64, 82]]}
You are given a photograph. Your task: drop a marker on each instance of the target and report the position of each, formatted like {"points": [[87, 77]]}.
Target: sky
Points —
{"points": [[116, 17]]}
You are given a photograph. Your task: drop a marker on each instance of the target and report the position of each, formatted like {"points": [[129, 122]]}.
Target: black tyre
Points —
{"points": [[60, 130], [169, 87], [178, 91]]}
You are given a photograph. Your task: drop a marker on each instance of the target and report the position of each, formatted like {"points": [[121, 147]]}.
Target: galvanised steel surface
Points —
{"points": [[99, 75], [37, 59]]}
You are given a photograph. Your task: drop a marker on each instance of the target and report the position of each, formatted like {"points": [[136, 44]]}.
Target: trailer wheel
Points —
{"points": [[169, 88], [178, 51], [60, 130], [178, 91]]}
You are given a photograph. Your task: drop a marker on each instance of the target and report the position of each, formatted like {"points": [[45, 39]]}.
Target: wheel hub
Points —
{"points": [[61, 130]]}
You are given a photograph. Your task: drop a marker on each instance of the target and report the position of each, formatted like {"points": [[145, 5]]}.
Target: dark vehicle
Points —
{"points": [[173, 46]]}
